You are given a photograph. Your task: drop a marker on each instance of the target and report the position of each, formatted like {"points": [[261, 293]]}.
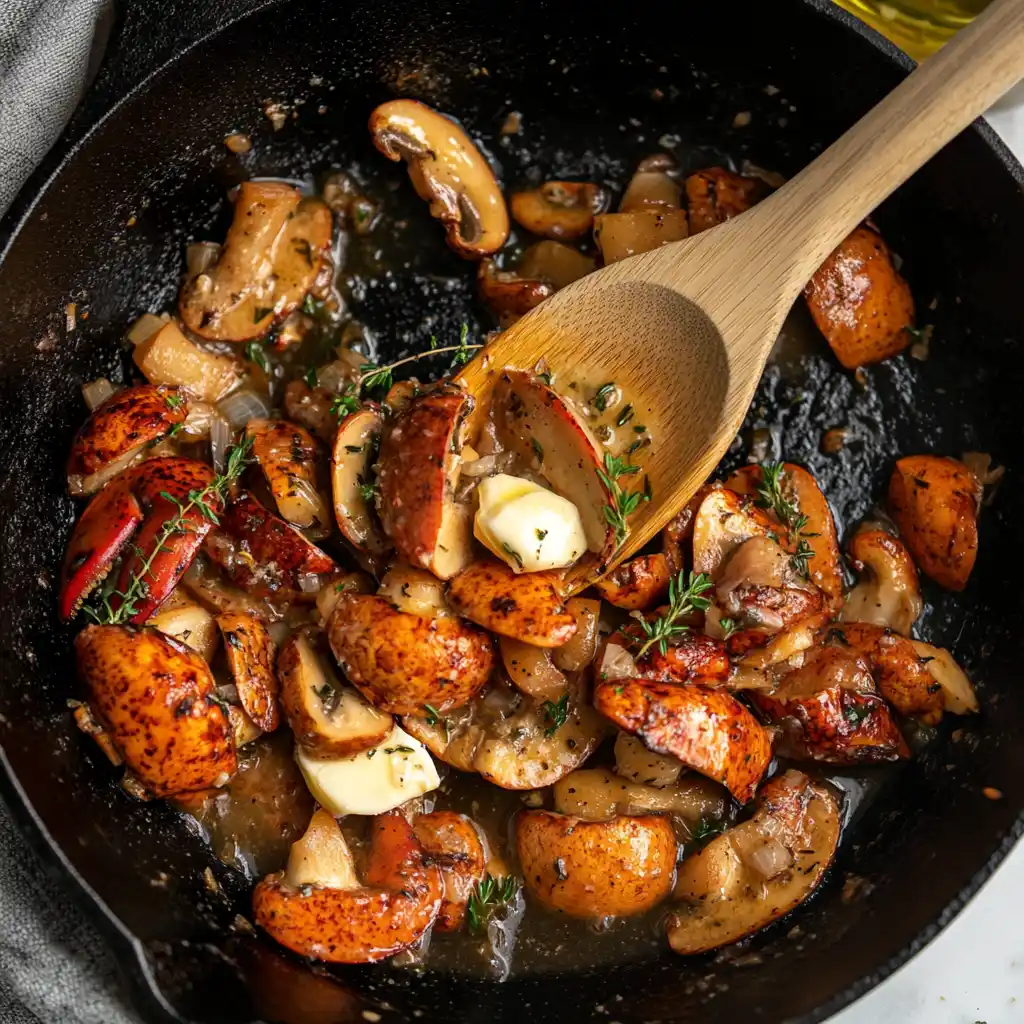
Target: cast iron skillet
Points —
{"points": [[596, 95]]}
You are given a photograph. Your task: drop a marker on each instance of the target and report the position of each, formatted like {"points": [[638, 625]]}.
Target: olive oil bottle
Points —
{"points": [[918, 26]]}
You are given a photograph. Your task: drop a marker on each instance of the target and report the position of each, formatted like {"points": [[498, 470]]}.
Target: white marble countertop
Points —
{"points": [[974, 971]]}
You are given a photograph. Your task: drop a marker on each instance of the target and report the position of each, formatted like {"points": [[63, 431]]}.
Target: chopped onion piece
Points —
{"points": [[309, 582], [769, 859], [197, 423], [220, 440], [616, 663], [243, 405], [97, 392], [145, 327]]}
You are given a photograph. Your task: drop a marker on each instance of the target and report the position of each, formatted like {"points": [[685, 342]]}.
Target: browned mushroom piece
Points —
{"points": [[271, 257], [715, 195], [453, 842], [250, 654], [287, 455], [888, 593], [559, 209], [448, 171], [352, 480]]}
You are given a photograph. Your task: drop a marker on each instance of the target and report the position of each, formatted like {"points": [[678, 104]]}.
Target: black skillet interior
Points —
{"points": [[595, 96]]}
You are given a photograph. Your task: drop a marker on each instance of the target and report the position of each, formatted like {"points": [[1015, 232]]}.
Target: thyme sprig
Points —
{"points": [[772, 497], [488, 895], [684, 597], [556, 712], [623, 503], [238, 458]]}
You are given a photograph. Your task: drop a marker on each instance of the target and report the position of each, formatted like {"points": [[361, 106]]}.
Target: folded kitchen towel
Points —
{"points": [[54, 967]]}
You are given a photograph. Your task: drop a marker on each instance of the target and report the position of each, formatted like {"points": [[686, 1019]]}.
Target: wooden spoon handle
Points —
{"points": [[820, 206]]}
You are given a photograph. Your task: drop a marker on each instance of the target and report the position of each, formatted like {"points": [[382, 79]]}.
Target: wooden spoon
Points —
{"points": [[685, 330]]}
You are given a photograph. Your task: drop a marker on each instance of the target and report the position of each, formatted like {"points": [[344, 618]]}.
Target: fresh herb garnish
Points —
{"points": [[603, 394], [310, 306], [174, 401], [376, 378], [771, 496], [624, 503], [513, 554], [345, 404], [728, 627], [255, 353], [707, 828], [399, 750], [624, 417], [538, 449], [462, 353], [489, 895], [541, 534], [856, 713], [369, 491], [556, 713], [683, 598], [545, 377], [310, 378], [260, 312], [238, 458], [433, 715]]}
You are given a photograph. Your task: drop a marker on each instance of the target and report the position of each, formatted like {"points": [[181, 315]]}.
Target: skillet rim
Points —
{"points": [[142, 990]]}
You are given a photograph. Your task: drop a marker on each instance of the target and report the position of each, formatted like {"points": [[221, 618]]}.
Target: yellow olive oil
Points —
{"points": [[918, 26]]}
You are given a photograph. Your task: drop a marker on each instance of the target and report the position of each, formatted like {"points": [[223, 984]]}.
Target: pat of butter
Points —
{"points": [[377, 780], [526, 525]]}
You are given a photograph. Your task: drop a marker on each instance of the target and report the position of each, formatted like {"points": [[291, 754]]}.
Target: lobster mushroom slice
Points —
{"points": [[708, 730], [597, 794], [860, 301], [888, 593], [716, 195], [352, 478], [527, 414], [526, 607], [594, 869], [286, 454], [901, 674], [758, 871], [511, 740], [559, 209], [453, 843], [157, 701], [934, 501], [250, 654], [120, 429], [819, 532], [398, 769], [448, 171], [693, 657], [830, 710], [402, 662], [318, 909], [328, 718], [140, 504], [261, 553], [958, 694], [272, 254], [420, 464], [638, 584]]}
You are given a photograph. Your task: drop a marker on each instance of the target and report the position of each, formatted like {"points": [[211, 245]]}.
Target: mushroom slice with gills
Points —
{"points": [[420, 464], [559, 209], [860, 301], [527, 413], [512, 741], [272, 254], [580, 649], [318, 909], [638, 584], [901, 674], [328, 718], [708, 730], [800, 490], [934, 502], [286, 453], [152, 505], [157, 701], [757, 871], [250, 654], [593, 869], [596, 794], [402, 662], [830, 710], [448, 171], [188, 621], [958, 694], [452, 841], [524, 606], [888, 593], [352, 480], [267, 557], [530, 668], [120, 429], [716, 195], [167, 357]]}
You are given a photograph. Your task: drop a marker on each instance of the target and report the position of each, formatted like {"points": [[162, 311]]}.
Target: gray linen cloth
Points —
{"points": [[54, 967]]}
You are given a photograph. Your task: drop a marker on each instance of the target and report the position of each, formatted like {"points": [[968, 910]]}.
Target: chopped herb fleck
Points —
{"points": [[489, 895], [624, 417], [538, 450], [310, 378], [683, 597], [260, 312], [556, 713], [255, 353], [603, 394]]}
